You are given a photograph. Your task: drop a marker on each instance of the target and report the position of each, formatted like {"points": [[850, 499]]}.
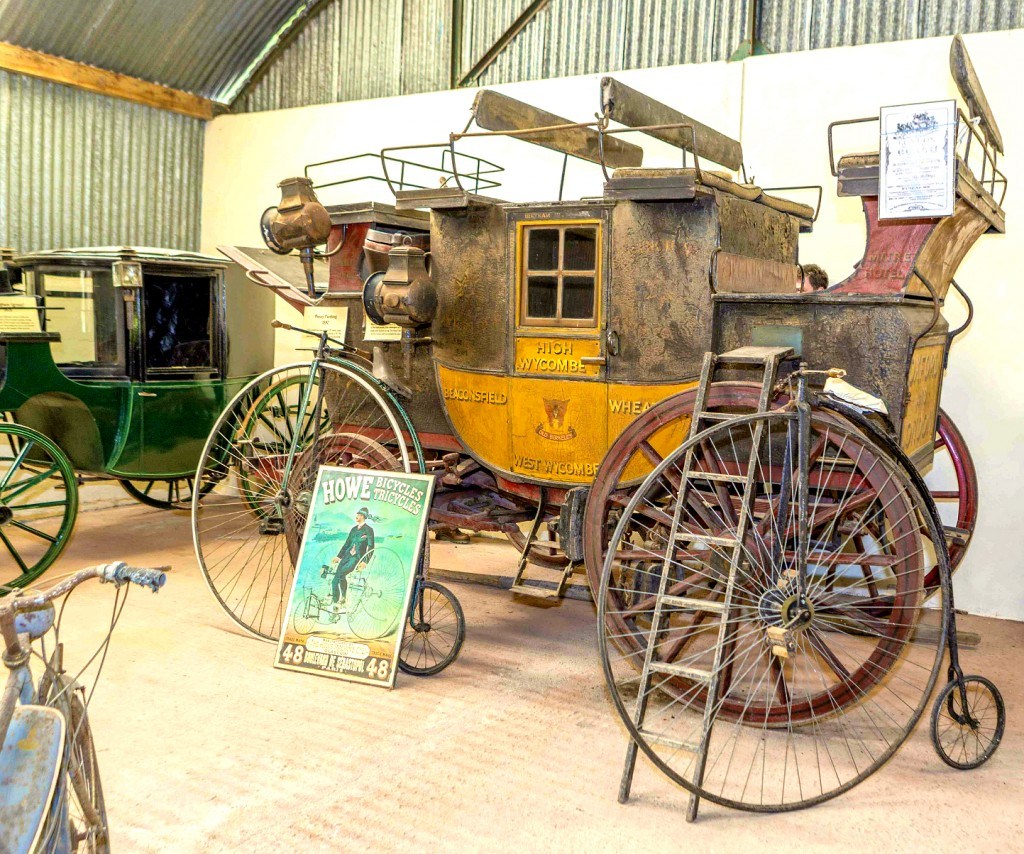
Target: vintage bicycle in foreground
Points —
{"points": [[51, 799], [636, 379]]}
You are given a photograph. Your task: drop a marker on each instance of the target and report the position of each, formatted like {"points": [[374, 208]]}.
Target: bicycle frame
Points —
{"points": [[31, 808]]}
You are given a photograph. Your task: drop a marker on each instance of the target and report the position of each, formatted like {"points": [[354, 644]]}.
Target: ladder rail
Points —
{"points": [[768, 359]]}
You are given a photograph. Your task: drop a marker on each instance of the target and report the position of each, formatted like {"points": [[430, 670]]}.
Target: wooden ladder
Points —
{"points": [[768, 359]]}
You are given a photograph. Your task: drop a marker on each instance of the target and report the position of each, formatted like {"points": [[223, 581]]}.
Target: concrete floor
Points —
{"points": [[204, 746]]}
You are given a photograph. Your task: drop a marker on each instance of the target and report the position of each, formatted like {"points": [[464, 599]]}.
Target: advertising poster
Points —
{"points": [[355, 573]]}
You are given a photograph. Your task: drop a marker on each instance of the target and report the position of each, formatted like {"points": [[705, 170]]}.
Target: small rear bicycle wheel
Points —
{"points": [[38, 504], [246, 516], [434, 632], [967, 736]]}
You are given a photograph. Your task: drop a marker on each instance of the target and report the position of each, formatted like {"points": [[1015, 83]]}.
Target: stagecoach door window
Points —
{"points": [[559, 283], [81, 305]]}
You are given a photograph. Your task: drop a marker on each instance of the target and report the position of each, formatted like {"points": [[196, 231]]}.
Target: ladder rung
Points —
{"points": [[753, 355], [959, 536], [717, 416], [716, 477], [694, 674], [665, 741], [688, 604], [686, 536]]}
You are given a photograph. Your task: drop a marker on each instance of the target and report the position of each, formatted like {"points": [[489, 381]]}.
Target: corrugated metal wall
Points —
{"points": [[78, 169], [353, 49], [367, 48]]}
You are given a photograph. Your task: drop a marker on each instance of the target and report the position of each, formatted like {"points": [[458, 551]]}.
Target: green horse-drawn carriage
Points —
{"points": [[116, 362]]}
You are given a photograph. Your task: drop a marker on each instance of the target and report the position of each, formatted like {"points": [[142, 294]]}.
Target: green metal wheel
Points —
{"points": [[38, 505]]}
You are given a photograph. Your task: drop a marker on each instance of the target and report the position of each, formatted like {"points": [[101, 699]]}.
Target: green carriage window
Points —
{"points": [[81, 306], [559, 284], [179, 321]]}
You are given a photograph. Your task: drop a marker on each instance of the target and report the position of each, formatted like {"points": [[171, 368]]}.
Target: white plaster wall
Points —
{"points": [[780, 107]]}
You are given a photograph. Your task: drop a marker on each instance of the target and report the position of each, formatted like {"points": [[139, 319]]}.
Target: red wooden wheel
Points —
{"points": [[820, 674], [954, 489]]}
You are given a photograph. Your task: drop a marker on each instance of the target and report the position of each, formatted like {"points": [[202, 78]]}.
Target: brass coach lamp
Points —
{"points": [[404, 293], [298, 222]]}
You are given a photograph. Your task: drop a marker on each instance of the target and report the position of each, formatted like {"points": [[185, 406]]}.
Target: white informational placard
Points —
{"points": [[917, 160], [332, 320], [381, 332], [19, 314]]}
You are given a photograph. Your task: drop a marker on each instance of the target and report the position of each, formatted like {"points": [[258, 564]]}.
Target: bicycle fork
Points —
{"points": [[274, 522]]}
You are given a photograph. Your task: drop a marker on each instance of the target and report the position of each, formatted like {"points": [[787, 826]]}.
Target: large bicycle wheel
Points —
{"points": [[246, 516], [435, 631], [38, 504], [810, 690], [376, 593]]}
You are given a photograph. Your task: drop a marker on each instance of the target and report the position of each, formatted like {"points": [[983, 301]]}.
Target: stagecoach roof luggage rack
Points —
{"points": [[979, 141], [405, 174], [592, 141]]}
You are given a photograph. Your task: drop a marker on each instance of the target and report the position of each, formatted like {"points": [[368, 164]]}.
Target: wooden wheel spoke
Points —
{"points": [[778, 675], [823, 515], [34, 531], [16, 463], [26, 484], [674, 647], [672, 477], [14, 553], [827, 558]]}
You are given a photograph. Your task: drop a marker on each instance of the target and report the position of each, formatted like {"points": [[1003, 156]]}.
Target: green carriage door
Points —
{"points": [[181, 393]]}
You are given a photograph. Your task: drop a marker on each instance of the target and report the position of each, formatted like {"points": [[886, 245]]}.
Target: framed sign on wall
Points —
{"points": [[917, 160]]}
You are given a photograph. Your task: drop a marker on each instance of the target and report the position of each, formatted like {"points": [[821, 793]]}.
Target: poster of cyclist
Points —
{"points": [[355, 574]]}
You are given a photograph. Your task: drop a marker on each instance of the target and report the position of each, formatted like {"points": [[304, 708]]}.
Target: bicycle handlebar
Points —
{"points": [[345, 348], [119, 573]]}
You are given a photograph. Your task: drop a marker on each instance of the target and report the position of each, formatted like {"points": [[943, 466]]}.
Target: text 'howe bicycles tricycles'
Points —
{"points": [[116, 363], [643, 383]]}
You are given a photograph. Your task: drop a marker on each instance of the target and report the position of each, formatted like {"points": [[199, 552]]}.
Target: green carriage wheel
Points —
{"points": [[38, 504], [163, 494]]}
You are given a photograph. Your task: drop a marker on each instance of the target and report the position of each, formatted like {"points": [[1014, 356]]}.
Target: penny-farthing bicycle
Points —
{"points": [[257, 475]]}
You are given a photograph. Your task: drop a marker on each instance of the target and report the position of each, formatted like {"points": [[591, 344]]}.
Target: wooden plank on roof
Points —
{"points": [[635, 109], [56, 69], [967, 82], [497, 112]]}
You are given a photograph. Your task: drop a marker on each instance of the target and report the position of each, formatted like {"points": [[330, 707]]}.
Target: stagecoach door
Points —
{"points": [[558, 393]]}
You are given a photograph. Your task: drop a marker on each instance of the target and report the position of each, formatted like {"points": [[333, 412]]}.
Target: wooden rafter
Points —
{"points": [[81, 76]]}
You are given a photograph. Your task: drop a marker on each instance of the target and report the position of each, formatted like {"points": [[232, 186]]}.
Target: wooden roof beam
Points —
{"points": [[81, 76]]}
